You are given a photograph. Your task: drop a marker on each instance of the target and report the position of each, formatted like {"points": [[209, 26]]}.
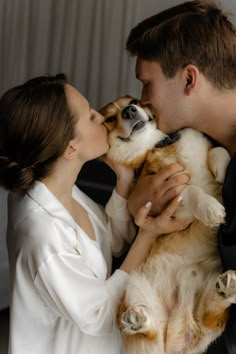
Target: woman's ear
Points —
{"points": [[191, 74], [71, 151]]}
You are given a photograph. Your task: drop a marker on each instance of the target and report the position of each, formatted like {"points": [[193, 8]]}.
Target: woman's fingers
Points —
{"points": [[142, 215], [164, 223]]}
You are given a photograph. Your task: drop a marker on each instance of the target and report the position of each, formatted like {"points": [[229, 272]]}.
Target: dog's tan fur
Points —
{"points": [[177, 303]]}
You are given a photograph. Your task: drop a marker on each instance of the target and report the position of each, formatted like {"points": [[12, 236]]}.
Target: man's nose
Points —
{"points": [[144, 98], [129, 112]]}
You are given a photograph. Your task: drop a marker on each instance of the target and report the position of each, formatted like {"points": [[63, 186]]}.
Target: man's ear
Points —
{"points": [[71, 151], [191, 74]]}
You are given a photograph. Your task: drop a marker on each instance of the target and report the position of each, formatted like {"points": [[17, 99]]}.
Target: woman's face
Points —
{"points": [[90, 133]]}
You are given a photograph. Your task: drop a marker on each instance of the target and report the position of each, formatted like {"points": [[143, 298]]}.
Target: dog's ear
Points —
{"points": [[109, 115]]}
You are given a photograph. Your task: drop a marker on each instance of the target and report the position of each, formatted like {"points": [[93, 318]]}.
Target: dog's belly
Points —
{"points": [[176, 278], [182, 258], [182, 274]]}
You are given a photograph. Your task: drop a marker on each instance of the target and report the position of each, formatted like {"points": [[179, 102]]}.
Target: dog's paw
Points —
{"points": [[219, 159], [135, 320], [226, 285], [211, 212]]}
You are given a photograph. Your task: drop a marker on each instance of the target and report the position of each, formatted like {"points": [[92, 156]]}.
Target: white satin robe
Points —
{"points": [[63, 296]]}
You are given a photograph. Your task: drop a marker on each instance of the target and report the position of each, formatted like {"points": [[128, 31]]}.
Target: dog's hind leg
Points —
{"points": [[140, 311], [226, 286], [218, 160], [216, 312]]}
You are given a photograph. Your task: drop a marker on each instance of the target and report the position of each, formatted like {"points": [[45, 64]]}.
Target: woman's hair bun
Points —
{"points": [[15, 177]]}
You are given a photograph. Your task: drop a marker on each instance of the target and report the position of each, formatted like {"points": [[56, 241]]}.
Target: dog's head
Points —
{"points": [[132, 131]]}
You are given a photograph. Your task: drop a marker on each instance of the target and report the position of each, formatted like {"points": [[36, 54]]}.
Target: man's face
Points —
{"points": [[164, 96]]}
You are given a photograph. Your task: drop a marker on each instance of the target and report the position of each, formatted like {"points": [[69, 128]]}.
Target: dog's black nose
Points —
{"points": [[129, 112]]}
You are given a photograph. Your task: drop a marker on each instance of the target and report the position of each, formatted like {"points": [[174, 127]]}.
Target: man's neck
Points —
{"points": [[218, 118]]}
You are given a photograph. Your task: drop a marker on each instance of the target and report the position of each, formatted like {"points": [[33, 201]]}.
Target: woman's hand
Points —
{"points": [[150, 229], [164, 223], [124, 177], [160, 188]]}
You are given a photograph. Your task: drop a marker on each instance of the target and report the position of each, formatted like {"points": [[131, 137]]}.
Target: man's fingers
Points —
{"points": [[170, 170], [171, 208], [167, 171]]}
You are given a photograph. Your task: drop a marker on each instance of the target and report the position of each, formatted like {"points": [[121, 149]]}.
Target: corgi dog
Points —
{"points": [[178, 301]]}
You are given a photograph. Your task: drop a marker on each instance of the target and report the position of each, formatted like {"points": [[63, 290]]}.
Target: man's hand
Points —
{"points": [[159, 188]]}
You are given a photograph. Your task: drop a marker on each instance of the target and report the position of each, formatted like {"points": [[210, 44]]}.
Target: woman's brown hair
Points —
{"points": [[35, 129], [194, 32]]}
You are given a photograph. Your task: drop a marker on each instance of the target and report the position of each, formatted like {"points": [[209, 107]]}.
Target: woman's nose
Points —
{"points": [[99, 118]]}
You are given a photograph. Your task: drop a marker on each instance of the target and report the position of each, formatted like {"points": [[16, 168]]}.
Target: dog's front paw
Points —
{"points": [[136, 320], [211, 212], [219, 159], [226, 285]]}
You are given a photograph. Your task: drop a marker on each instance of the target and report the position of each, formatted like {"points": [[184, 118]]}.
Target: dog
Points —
{"points": [[178, 301]]}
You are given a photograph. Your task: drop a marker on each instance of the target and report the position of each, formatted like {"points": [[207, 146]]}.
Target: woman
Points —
{"points": [[60, 243]]}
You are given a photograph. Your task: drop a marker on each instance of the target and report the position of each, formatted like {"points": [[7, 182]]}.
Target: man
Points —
{"points": [[186, 61]]}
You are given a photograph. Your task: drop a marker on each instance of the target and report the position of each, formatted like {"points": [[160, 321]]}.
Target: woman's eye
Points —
{"points": [[110, 119]]}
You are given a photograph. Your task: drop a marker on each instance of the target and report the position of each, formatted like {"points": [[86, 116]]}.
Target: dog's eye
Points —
{"points": [[111, 119], [134, 101]]}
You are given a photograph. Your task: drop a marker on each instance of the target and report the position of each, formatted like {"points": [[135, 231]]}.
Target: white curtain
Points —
{"points": [[83, 38]]}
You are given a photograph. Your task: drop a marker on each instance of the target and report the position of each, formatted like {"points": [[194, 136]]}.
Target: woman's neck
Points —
{"points": [[61, 181]]}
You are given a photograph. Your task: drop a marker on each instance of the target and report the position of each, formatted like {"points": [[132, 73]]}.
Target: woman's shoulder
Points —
{"points": [[37, 231]]}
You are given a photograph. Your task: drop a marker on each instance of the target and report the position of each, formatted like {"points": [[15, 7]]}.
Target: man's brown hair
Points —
{"points": [[194, 32]]}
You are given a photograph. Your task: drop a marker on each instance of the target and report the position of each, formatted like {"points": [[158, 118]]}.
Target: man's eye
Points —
{"points": [[111, 119]]}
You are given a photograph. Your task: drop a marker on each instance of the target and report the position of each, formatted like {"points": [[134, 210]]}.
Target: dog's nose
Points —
{"points": [[129, 112]]}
